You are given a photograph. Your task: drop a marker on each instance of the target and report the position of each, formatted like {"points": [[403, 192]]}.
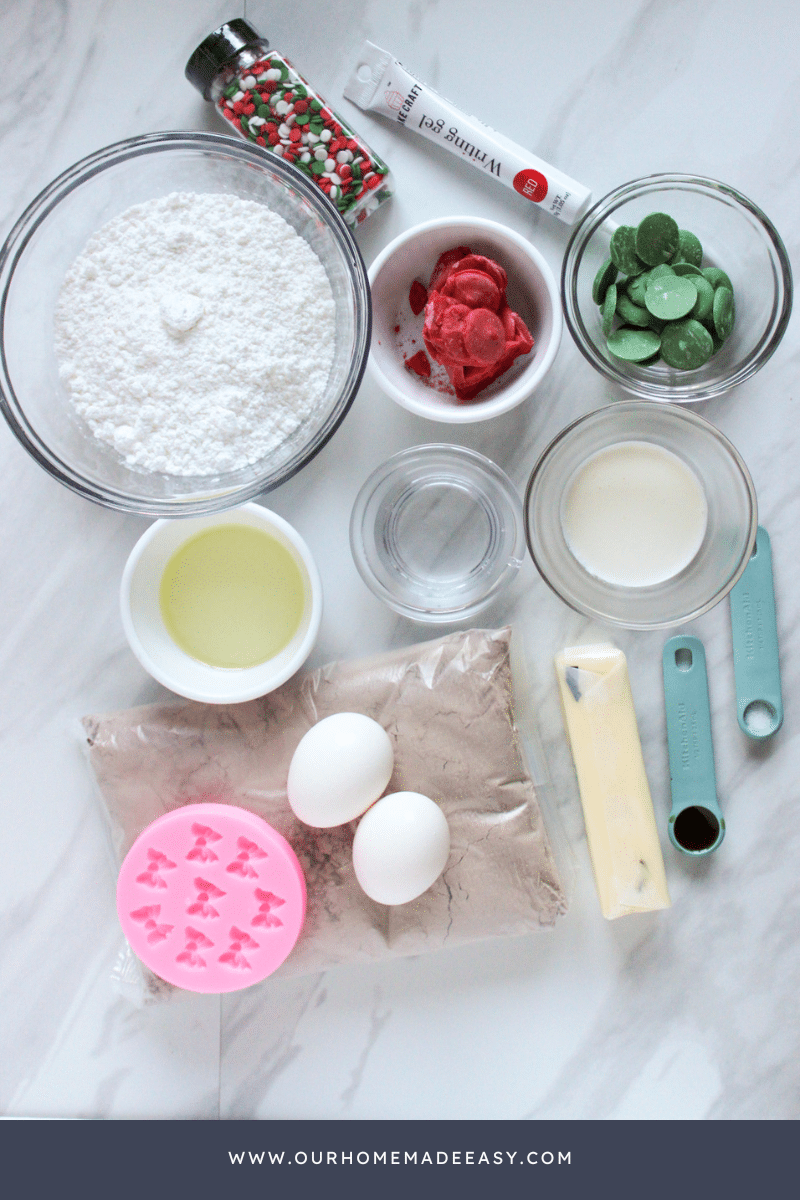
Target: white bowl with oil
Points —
{"points": [[185, 577]]}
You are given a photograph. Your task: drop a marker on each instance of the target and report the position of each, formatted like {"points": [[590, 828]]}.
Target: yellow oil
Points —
{"points": [[232, 596]]}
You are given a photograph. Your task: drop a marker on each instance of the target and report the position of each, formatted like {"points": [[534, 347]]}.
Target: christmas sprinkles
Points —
{"points": [[268, 103]]}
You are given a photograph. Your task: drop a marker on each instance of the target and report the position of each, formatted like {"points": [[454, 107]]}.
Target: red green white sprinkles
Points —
{"points": [[666, 306], [263, 99], [268, 103]]}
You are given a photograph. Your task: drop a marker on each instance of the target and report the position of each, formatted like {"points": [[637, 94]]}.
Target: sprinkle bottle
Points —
{"points": [[261, 96]]}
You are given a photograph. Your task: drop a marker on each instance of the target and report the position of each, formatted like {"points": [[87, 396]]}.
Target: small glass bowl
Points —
{"points": [[735, 235], [436, 532], [54, 229], [730, 529]]}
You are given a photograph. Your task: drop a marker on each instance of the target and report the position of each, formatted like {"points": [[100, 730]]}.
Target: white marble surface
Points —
{"points": [[690, 1013]]}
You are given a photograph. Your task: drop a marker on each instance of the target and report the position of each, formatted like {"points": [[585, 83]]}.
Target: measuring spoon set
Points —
{"points": [[696, 824]]}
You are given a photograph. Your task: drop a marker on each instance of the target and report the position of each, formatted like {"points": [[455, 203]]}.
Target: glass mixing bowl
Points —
{"points": [[735, 235], [727, 541], [53, 231]]}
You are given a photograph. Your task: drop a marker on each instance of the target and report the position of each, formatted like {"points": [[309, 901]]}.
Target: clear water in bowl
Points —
{"points": [[436, 532]]}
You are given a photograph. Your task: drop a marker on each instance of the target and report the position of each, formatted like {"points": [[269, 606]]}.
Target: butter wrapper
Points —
{"points": [[603, 734]]}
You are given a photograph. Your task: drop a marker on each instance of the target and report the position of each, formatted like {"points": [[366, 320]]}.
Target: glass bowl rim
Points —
{"points": [[79, 173], [585, 230], [682, 414]]}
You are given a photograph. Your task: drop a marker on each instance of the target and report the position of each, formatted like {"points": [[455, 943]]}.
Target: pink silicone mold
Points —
{"points": [[211, 898]]}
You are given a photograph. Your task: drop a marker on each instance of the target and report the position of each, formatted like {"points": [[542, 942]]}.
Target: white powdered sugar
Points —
{"points": [[195, 333]]}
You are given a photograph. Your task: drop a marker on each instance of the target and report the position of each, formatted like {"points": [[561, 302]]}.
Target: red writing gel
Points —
{"points": [[531, 184]]}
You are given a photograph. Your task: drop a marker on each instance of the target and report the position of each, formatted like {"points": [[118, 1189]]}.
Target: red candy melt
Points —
{"points": [[417, 297], [474, 288], [484, 336], [469, 327], [419, 364]]}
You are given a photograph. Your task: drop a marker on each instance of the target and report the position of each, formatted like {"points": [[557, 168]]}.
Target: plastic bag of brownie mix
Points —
{"points": [[448, 706]]}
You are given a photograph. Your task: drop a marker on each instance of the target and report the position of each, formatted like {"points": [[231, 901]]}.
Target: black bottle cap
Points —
{"points": [[219, 48]]}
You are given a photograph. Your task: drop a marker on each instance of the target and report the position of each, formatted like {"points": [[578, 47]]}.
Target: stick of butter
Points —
{"points": [[620, 824]]}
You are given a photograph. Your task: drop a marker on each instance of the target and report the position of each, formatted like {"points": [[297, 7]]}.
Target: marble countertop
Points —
{"points": [[689, 1013]]}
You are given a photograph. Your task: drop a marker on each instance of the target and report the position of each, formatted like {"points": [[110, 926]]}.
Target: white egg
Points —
{"points": [[340, 767], [401, 847]]}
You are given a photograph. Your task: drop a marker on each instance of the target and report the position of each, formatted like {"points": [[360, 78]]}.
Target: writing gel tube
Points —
{"points": [[381, 84]]}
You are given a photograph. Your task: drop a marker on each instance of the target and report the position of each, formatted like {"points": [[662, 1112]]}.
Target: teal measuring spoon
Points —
{"points": [[696, 824], [754, 631]]}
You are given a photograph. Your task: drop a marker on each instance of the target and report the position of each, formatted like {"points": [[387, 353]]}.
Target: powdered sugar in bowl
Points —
{"points": [[242, 376]]}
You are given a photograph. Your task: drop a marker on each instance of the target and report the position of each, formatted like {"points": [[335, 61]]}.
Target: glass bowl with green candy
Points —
{"points": [[676, 288]]}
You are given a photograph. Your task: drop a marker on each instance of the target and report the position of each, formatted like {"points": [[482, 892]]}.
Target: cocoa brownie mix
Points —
{"points": [[447, 706]]}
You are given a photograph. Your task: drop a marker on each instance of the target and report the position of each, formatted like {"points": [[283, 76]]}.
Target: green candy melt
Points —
{"points": [[686, 345], [623, 251], [609, 308], [603, 280], [690, 249], [670, 297], [637, 287], [631, 313], [705, 298], [717, 277], [669, 305], [634, 345], [657, 239], [723, 311]]}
